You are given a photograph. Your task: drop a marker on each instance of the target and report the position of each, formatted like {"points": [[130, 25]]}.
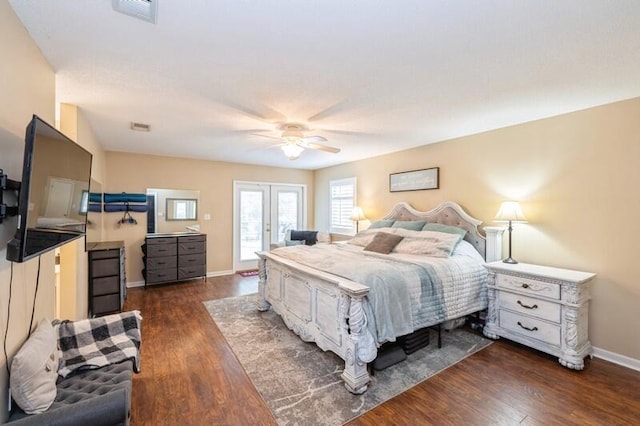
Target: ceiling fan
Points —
{"points": [[294, 142]]}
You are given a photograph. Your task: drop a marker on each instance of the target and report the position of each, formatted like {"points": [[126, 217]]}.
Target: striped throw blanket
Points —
{"points": [[96, 342]]}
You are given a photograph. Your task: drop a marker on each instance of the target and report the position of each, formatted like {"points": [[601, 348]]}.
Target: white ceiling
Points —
{"points": [[372, 76]]}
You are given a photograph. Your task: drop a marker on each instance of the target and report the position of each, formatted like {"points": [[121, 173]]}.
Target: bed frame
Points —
{"points": [[327, 309]]}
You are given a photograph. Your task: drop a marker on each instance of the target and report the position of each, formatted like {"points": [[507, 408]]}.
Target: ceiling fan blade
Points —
{"points": [[311, 139], [266, 136], [319, 147]]}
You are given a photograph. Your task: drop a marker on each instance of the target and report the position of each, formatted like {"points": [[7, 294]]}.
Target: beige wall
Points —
{"points": [[576, 176], [135, 173], [27, 84]]}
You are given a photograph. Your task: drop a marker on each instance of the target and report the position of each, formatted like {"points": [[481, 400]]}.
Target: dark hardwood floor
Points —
{"points": [[191, 377]]}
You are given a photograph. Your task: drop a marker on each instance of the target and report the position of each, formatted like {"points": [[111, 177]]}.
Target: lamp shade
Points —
{"points": [[357, 214], [510, 211], [292, 151]]}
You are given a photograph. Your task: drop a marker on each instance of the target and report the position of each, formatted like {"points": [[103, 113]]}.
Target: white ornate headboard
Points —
{"points": [[447, 213]]}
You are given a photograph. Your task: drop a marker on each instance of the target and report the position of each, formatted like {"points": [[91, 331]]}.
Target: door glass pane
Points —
{"points": [[287, 213], [251, 224]]}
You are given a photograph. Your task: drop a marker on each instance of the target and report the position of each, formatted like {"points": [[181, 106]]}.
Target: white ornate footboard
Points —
{"points": [[321, 308]]}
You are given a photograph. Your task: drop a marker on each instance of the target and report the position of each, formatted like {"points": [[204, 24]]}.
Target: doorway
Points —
{"points": [[262, 214]]}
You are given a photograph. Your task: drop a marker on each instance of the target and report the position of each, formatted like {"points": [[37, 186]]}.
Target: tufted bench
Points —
{"points": [[90, 397]]}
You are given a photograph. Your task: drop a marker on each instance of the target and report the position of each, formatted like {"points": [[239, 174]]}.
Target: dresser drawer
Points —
{"points": [[162, 250], [188, 260], [104, 254], [162, 275], [106, 304], [529, 306], [105, 267], [161, 241], [529, 286], [194, 239], [530, 327], [163, 262], [106, 285], [191, 247], [191, 272]]}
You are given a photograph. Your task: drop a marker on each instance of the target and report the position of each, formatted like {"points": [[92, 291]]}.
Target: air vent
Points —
{"points": [[140, 127], [147, 10]]}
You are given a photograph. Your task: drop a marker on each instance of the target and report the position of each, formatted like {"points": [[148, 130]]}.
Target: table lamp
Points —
{"points": [[357, 215], [510, 211]]}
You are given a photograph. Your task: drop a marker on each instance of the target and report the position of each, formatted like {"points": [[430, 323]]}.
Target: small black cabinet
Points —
{"points": [[107, 280]]}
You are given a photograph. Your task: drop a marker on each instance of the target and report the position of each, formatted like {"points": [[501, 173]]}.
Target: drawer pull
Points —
{"points": [[527, 328], [526, 306], [525, 285]]}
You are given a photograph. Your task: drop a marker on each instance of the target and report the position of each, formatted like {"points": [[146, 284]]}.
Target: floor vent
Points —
{"points": [[146, 10]]}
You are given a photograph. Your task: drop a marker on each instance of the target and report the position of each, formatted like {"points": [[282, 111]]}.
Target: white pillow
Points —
{"points": [[363, 238], [34, 370], [428, 243]]}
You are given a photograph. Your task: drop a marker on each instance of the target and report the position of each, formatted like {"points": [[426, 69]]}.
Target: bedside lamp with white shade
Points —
{"points": [[357, 215], [510, 211]]}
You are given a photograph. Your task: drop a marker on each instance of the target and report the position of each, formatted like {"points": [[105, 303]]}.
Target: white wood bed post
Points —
{"points": [[355, 375], [262, 303]]}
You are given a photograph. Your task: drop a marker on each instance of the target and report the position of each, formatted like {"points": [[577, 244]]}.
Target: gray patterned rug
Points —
{"points": [[301, 384]]}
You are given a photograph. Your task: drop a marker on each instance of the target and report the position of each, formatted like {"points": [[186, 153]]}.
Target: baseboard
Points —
{"points": [[616, 358], [133, 284], [219, 273]]}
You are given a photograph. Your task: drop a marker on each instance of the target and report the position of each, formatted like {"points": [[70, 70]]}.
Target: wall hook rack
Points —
{"points": [[7, 184]]}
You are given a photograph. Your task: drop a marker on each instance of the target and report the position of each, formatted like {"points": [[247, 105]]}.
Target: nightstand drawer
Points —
{"points": [[530, 327], [529, 286], [529, 306]]}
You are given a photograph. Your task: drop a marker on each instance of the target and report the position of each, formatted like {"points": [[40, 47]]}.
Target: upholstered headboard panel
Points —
{"points": [[447, 213]]}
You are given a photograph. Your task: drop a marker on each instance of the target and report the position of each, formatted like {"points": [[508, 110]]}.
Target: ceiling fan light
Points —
{"points": [[292, 151]]}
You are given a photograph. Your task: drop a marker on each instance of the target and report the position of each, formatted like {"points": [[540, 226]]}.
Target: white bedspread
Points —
{"points": [[407, 292]]}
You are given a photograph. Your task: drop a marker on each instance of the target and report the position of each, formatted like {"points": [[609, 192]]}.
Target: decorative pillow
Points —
{"points": [[363, 238], [428, 243], [383, 242], [414, 225], [34, 370], [324, 237], [381, 224], [309, 237], [438, 227], [288, 243]]}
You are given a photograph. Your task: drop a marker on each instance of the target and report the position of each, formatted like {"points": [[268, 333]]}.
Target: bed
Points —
{"points": [[350, 301]]}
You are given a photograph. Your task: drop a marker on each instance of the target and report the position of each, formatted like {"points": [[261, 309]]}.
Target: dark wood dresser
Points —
{"points": [[174, 257], [107, 280]]}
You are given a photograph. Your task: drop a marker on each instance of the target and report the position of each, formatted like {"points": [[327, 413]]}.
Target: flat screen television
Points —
{"points": [[53, 193]]}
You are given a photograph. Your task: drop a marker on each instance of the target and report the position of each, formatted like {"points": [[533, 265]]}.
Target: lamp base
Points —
{"points": [[510, 260]]}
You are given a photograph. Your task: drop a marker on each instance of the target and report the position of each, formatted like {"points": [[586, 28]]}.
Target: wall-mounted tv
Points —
{"points": [[52, 201]]}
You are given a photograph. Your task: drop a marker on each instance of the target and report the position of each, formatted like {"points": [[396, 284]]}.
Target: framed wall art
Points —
{"points": [[415, 180]]}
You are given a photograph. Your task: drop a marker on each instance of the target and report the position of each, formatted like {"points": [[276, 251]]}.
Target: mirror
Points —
{"points": [[172, 210], [182, 209]]}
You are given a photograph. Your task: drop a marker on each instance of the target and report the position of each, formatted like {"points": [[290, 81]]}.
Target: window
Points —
{"points": [[342, 195]]}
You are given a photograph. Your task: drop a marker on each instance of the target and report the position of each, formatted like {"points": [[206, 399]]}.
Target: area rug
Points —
{"points": [[251, 273], [301, 384]]}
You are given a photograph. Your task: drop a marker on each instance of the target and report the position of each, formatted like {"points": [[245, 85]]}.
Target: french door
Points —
{"points": [[263, 213]]}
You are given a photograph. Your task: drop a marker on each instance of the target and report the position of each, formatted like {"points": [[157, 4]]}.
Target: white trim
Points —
{"points": [[220, 273], [134, 284], [616, 358]]}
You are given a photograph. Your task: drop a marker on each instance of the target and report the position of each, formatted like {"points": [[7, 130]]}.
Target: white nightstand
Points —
{"points": [[541, 307]]}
